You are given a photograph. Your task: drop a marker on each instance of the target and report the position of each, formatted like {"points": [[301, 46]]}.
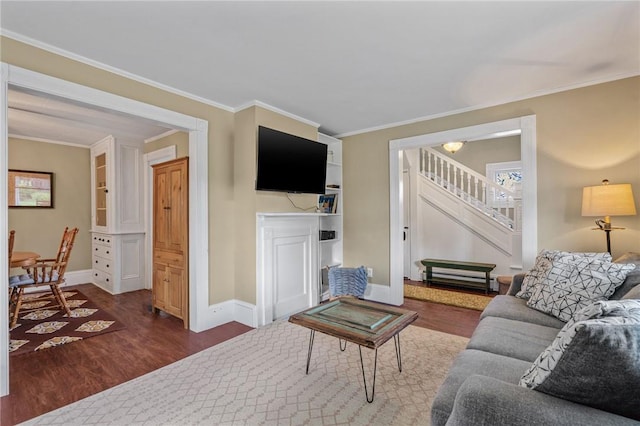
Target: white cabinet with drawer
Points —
{"points": [[118, 262], [117, 222]]}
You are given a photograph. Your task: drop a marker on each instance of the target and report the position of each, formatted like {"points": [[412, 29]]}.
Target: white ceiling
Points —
{"points": [[50, 119], [346, 65]]}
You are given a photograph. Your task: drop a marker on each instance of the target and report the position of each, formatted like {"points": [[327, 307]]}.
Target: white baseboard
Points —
{"points": [[227, 311], [246, 313], [378, 293], [78, 277], [70, 278]]}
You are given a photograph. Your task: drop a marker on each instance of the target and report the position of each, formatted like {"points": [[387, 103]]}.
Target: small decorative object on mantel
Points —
{"points": [[327, 203]]}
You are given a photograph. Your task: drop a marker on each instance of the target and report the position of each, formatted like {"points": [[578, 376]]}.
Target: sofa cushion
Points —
{"points": [[572, 284], [514, 308], [515, 339], [543, 264], [468, 363], [633, 279], [634, 293], [483, 400], [594, 360], [630, 283]]}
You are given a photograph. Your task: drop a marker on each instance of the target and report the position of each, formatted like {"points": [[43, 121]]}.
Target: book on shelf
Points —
{"points": [[328, 203]]}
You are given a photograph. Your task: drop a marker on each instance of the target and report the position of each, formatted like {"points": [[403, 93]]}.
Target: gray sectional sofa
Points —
{"points": [[482, 386]]}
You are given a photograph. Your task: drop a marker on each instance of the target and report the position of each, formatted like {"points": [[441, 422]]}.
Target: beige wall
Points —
{"points": [[220, 156], [179, 139], [248, 200], [40, 230], [476, 154], [583, 136]]}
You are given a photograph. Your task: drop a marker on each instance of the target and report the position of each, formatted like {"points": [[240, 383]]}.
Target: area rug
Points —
{"points": [[454, 298], [48, 328], [259, 378]]}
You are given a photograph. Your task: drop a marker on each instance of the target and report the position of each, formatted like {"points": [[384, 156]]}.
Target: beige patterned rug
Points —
{"points": [[446, 297], [259, 378]]}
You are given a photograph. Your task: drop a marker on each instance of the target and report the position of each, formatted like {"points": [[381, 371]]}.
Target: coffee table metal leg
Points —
{"points": [[396, 340], [364, 378], [311, 336], [343, 345]]}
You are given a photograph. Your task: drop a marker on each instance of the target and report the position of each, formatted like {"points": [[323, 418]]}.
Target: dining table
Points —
{"points": [[21, 259]]}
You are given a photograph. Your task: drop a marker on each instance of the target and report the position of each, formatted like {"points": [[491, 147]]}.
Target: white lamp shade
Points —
{"points": [[608, 200]]}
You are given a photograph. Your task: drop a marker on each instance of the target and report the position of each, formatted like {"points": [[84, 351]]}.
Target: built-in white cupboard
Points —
{"points": [[117, 221]]}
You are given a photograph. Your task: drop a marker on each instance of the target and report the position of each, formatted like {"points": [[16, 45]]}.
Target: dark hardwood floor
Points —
{"points": [[46, 380]]}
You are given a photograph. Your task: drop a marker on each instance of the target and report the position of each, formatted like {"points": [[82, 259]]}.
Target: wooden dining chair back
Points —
{"points": [[12, 238], [46, 272]]}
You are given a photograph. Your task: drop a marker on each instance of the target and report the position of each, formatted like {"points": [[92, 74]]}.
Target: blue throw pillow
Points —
{"points": [[347, 281]]}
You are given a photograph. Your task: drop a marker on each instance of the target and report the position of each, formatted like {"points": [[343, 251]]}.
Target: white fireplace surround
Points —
{"points": [[287, 264]]}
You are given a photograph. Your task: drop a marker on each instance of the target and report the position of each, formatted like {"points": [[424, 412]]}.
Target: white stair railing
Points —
{"points": [[494, 200]]}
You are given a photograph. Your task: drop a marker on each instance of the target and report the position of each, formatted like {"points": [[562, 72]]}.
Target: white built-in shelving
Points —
{"points": [[330, 251]]}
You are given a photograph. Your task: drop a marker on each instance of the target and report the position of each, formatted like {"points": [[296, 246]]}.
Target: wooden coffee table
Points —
{"points": [[364, 323]]}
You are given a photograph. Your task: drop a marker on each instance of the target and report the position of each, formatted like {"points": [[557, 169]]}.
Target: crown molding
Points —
{"points": [[536, 94], [45, 140], [84, 60], [256, 103], [161, 135]]}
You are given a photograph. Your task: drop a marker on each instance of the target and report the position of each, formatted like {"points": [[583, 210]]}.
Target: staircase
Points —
{"points": [[487, 210], [475, 190]]}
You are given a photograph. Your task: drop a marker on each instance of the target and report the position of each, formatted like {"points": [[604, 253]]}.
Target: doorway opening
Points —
{"points": [[198, 182], [525, 126]]}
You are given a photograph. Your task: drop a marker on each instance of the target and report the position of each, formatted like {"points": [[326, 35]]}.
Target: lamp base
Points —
{"points": [[607, 232]]}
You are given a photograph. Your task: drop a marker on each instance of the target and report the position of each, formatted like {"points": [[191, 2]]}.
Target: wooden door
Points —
{"points": [[170, 238]]}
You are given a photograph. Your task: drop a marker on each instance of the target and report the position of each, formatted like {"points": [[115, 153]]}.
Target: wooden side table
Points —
{"points": [[504, 282]]}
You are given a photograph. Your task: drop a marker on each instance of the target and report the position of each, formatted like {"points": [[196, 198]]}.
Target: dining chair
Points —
{"points": [[12, 238], [46, 272]]}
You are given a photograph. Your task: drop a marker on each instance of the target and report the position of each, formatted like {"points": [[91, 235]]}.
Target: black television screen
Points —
{"points": [[290, 163]]}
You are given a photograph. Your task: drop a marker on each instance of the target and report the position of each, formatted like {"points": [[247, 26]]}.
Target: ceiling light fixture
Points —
{"points": [[453, 147]]}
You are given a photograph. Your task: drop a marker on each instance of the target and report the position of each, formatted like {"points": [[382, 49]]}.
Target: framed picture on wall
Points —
{"points": [[30, 189]]}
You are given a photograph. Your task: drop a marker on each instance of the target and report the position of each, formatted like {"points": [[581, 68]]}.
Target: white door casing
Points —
{"points": [[198, 185], [525, 126]]}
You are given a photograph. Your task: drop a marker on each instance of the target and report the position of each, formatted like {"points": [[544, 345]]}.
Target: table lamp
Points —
{"points": [[608, 200]]}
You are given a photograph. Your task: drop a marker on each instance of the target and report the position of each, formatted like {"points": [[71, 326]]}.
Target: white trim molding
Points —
{"points": [[198, 184], [526, 126], [277, 111]]}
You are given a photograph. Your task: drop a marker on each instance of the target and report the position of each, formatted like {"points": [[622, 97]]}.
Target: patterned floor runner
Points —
{"points": [[48, 328], [446, 297]]}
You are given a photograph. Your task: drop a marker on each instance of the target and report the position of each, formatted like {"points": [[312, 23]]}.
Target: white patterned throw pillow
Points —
{"points": [[543, 264], [594, 360], [570, 285]]}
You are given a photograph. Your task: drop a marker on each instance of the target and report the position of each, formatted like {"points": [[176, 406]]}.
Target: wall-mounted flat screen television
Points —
{"points": [[290, 163]]}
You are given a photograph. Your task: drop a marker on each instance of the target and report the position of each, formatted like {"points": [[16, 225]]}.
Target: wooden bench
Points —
{"points": [[459, 265]]}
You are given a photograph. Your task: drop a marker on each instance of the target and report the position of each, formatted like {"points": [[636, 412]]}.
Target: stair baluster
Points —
{"points": [[473, 188]]}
